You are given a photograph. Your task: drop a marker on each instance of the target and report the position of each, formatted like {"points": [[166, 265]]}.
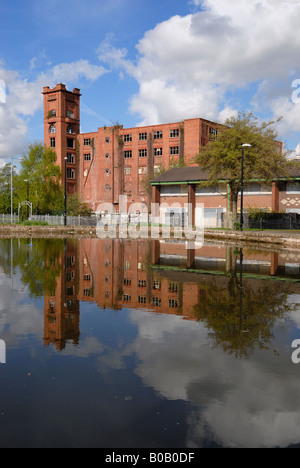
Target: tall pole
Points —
{"points": [[65, 214], [27, 197], [12, 190], [242, 191], [242, 186]]}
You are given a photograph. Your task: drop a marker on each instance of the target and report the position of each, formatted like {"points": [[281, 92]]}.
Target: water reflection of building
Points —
{"points": [[161, 276], [220, 258], [61, 307]]}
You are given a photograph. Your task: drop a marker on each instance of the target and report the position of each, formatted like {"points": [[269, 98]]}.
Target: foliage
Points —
{"points": [[237, 226], [256, 214], [146, 182], [39, 168], [39, 179], [76, 208], [223, 157], [5, 188], [177, 163]]}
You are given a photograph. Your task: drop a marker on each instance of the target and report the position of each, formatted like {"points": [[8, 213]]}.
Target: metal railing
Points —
{"points": [[6, 219], [271, 221], [60, 220]]}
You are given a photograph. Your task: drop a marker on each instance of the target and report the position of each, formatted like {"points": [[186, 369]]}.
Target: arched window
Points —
{"points": [[70, 129], [52, 129]]}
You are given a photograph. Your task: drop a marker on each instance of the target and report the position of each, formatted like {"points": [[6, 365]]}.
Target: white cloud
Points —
{"points": [[24, 99], [187, 66], [72, 72]]}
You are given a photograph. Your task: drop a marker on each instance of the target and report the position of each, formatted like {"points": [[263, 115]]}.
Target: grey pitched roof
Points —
{"points": [[182, 174]]}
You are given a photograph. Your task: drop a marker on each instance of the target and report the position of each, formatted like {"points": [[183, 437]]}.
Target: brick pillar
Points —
{"points": [[155, 252], [191, 258], [156, 197], [192, 202], [275, 197], [274, 263]]}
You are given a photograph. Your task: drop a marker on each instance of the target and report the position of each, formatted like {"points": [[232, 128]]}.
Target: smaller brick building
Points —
{"points": [[179, 186]]}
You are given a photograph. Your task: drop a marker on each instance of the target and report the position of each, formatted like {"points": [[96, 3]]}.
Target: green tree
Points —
{"points": [[5, 188], [223, 157], [39, 168], [76, 208]]}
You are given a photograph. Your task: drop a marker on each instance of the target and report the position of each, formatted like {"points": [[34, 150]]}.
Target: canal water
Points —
{"points": [[131, 344]]}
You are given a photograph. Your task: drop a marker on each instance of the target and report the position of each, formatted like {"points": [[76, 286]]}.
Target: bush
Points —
{"points": [[256, 214], [237, 226]]}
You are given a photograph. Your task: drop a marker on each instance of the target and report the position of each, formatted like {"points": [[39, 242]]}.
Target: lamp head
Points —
{"points": [[246, 145]]}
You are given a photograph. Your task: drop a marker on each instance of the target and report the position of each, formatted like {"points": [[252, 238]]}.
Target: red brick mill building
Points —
{"points": [[113, 161]]}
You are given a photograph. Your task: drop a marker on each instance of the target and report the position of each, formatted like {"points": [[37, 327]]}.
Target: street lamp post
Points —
{"points": [[27, 197], [242, 185], [65, 213], [12, 190]]}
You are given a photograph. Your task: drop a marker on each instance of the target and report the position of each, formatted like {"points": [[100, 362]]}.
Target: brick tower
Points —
{"points": [[61, 130]]}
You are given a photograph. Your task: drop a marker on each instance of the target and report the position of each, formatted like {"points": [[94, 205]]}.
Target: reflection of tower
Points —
{"points": [[61, 308]]}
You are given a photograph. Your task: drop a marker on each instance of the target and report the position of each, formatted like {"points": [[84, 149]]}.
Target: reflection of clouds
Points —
{"points": [[114, 358], [295, 315], [241, 403], [86, 348], [166, 361], [108, 357], [17, 318], [250, 417]]}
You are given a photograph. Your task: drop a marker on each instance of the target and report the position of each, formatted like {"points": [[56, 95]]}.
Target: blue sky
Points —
{"points": [[139, 62]]}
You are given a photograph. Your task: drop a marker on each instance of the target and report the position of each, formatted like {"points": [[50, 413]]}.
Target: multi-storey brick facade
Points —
{"points": [[114, 161]]}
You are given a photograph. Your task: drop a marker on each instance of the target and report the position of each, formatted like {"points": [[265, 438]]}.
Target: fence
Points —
{"points": [[79, 221], [6, 219], [60, 220], [212, 218], [52, 220], [276, 221]]}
